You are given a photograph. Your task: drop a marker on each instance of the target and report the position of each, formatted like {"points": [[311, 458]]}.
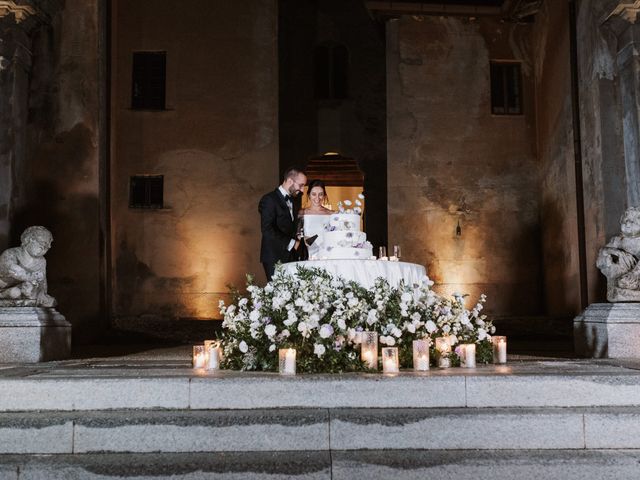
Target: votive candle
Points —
{"points": [[198, 359], [443, 346], [369, 349], [287, 361], [499, 349], [213, 354], [390, 362], [468, 355], [421, 355]]}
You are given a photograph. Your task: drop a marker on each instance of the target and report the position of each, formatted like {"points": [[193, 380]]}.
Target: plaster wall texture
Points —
{"points": [[450, 160], [57, 184], [215, 144]]}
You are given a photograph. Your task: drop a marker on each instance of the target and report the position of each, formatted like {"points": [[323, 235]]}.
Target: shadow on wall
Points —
{"points": [[561, 295]]}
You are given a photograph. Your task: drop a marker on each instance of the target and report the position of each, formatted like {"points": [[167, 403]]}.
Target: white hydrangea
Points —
{"points": [[319, 349]]}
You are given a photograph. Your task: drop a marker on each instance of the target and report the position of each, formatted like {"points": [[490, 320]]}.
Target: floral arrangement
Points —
{"points": [[321, 316]]}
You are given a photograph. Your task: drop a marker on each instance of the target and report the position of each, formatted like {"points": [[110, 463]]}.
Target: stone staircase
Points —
{"points": [[107, 419]]}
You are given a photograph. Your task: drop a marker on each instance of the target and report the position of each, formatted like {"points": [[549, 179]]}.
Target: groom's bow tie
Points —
{"points": [[287, 198]]}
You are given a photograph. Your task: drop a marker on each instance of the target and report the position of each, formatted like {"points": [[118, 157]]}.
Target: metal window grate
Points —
{"points": [[506, 88], [146, 191]]}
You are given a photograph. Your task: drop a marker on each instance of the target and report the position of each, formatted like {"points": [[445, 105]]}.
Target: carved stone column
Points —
{"points": [[622, 18], [18, 21]]}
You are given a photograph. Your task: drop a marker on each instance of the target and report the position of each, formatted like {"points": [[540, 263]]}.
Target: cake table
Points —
{"points": [[365, 272]]}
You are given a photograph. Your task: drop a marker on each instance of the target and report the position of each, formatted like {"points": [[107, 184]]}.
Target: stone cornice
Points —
{"points": [[20, 12]]}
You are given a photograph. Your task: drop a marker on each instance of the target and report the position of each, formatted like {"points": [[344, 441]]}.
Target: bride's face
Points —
{"points": [[316, 196]]}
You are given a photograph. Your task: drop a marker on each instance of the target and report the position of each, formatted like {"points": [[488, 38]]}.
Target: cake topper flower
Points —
{"points": [[344, 206]]}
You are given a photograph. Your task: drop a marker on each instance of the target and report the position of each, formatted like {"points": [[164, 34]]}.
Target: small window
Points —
{"points": [[331, 72], [146, 191], [506, 88], [149, 80]]}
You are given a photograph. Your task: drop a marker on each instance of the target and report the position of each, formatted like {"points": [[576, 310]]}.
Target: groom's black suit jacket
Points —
{"points": [[278, 229]]}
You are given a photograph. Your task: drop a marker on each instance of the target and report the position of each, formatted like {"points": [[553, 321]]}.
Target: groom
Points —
{"points": [[278, 221]]}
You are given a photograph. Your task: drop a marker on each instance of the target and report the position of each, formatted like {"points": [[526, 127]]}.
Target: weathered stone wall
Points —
{"points": [[603, 166], [450, 160], [216, 145], [57, 184], [601, 136], [556, 157]]}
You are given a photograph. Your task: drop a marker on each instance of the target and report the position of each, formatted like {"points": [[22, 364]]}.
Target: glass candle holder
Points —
{"points": [[443, 347], [369, 349], [499, 349], [390, 362], [468, 355], [287, 361], [382, 253], [397, 252], [213, 354], [421, 355], [198, 359]]}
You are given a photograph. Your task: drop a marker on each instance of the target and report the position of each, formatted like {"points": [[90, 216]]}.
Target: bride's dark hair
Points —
{"points": [[317, 183]]}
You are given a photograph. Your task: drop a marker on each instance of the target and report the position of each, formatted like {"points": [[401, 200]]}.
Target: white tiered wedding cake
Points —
{"points": [[339, 237]]}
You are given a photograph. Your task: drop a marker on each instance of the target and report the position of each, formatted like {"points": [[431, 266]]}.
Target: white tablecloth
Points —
{"points": [[365, 272]]}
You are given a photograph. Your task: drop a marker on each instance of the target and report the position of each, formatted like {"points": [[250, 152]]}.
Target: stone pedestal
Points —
{"points": [[608, 330], [33, 334]]}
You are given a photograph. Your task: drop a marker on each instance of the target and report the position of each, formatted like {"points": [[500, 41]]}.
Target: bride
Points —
{"points": [[312, 219], [317, 196]]}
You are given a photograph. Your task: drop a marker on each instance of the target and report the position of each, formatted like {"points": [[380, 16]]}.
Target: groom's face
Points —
{"points": [[296, 184]]}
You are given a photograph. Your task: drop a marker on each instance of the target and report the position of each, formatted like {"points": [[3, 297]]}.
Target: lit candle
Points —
{"points": [[213, 354], [369, 349], [421, 355], [443, 348], [198, 359], [499, 349], [390, 362], [287, 361], [468, 355]]}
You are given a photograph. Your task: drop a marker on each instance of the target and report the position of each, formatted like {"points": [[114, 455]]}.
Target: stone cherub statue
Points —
{"points": [[23, 270], [618, 260]]}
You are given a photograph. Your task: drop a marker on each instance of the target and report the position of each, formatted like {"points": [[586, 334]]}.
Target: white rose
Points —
{"points": [[446, 328], [372, 316], [244, 348], [254, 316], [243, 302], [396, 332], [387, 340], [482, 334], [411, 328], [326, 330], [415, 317], [319, 349], [272, 347], [270, 330], [342, 325], [430, 326], [285, 333]]}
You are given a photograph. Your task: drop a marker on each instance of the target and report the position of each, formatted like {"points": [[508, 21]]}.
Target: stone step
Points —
{"points": [[69, 387], [319, 430], [336, 465]]}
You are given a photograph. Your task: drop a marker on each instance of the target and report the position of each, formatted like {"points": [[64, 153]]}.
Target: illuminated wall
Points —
{"points": [[450, 160], [215, 144]]}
